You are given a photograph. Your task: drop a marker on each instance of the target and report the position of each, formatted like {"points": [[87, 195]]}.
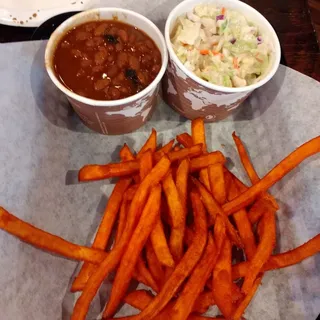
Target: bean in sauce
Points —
{"points": [[106, 60]]}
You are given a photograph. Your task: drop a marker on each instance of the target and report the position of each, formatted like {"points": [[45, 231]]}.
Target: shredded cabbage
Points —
{"points": [[221, 46]]}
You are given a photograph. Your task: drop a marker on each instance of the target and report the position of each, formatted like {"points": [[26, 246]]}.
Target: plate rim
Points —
{"points": [[7, 15]]}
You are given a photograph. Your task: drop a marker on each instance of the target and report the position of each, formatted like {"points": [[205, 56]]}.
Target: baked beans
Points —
{"points": [[106, 60]]}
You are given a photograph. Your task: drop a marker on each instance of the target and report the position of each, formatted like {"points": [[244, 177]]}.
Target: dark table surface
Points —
{"points": [[290, 18]]}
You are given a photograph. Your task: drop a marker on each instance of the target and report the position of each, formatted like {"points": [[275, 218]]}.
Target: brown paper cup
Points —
{"points": [[194, 97], [118, 116]]}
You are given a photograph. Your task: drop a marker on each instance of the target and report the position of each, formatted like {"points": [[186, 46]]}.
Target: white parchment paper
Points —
{"points": [[43, 143]]}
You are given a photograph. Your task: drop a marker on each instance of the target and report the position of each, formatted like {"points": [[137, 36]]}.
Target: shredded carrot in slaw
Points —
{"points": [[217, 53], [257, 57], [204, 51], [235, 63]]}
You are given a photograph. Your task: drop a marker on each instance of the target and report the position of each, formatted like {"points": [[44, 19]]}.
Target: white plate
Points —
{"points": [[32, 13]]}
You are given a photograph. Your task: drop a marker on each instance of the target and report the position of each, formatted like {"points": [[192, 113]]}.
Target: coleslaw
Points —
{"points": [[221, 46]]}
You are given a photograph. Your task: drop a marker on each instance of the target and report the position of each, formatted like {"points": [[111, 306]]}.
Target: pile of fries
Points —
{"points": [[178, 213]]}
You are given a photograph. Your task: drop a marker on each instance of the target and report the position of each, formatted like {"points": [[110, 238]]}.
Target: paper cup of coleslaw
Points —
{"points": [[219, 53]]}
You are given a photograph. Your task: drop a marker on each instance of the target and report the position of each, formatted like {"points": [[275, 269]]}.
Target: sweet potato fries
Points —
{"points": [[178, 214]]}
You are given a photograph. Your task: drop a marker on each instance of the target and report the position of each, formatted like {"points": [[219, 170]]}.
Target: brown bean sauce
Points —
{"points": [[106, 60]]}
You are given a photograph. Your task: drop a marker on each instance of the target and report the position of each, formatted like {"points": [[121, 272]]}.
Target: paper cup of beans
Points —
{"points": [[219, 52], [109, 63]]}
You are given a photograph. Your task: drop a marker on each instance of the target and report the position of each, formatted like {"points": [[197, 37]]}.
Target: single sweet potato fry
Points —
{"points": [[176, 148], [146, 164], [181, 154], [214, 209], [177, 215], [281, 260], [164, 150], [222, 281], [104, 231], [264, 250], [245, 302], [151, 144], [219, 238], [186, 300], [185, 139], [199, 137], [204, 178], [109, 264], [92, 172], [135, 246], [279, 171], [244, 157], [198, 132], [227, 181], [206, 160], [126, 154], [186, 265], [144, 272], [243, 224], [154, 265], [167, 147], [121, 221], [219, 232], [160, 245], [46, 241], [248, 166], [182, 183], [217, 182]]}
